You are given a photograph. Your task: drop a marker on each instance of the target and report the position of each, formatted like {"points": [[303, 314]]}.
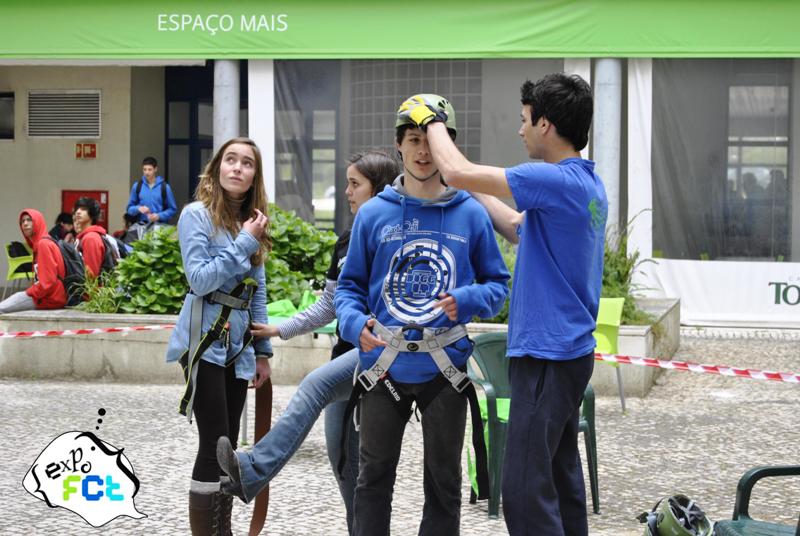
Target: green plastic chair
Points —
{"points": [[606, 335], [19, 267], [741, 523], [489, 354]]}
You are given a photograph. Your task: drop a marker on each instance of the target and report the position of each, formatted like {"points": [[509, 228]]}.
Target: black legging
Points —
{"points": [[218, 405]]}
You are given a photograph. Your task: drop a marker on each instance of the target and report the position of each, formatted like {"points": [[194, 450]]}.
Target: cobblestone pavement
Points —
{"points": [[694, 434]]}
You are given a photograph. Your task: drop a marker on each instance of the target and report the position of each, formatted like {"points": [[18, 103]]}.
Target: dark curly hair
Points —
{"points": [[565, 101], [90, 205]]}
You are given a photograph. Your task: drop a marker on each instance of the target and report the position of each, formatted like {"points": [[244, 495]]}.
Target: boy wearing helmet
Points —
{"points": [[555, 296], [422, 262]]}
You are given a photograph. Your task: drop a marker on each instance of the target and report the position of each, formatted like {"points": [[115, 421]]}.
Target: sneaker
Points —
{"points": [[229, 463]]}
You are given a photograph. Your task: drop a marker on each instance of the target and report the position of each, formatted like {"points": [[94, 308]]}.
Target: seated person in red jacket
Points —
{"points": [[90, 243], [47, 291]]}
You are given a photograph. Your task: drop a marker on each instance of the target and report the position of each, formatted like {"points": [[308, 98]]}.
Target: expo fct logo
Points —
{"points": [[82, 473]]}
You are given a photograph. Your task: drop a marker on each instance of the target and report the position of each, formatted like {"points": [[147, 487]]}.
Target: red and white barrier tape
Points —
{"points": [[94, 331], [787, 377]]}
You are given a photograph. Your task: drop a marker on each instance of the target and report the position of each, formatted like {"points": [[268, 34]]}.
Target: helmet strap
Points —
{"points": [[422, 179], [406, 170]]}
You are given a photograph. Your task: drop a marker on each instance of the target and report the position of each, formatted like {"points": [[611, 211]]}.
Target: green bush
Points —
{"points": [[618, 269], [301, 255], [151, 277], [101, 293], [284, 283]]}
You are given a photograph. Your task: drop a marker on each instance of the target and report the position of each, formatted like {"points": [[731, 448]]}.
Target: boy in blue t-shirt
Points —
{"points": [[554, 298]]}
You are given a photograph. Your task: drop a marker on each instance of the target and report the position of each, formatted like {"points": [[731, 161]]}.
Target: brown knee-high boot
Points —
{"points": [[225, 509], [204, 513]]}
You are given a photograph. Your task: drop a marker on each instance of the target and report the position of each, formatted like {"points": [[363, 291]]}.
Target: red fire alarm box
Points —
{"points": [[90, 150], [68, 198], [85, 151]]}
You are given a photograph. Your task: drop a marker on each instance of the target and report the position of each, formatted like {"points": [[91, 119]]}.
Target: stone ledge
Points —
{"points": [[139, 356]]}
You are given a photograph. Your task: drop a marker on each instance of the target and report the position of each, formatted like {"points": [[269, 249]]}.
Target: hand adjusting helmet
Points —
{"points": [[421, 109]]}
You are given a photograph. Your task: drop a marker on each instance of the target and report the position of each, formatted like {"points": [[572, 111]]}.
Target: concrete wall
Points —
{"points": [[127, 357], [35, 170], [147, 123]]}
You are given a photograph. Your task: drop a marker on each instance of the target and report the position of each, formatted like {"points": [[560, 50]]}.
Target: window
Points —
{"points": [[756, 197], [6, 116], [722, 159]]}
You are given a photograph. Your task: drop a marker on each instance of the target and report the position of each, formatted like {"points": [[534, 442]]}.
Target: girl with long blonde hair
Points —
{"points": [[224, 237]]}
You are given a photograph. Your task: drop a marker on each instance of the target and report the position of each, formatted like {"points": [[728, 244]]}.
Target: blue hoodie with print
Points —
{"points": [[403, 253]]}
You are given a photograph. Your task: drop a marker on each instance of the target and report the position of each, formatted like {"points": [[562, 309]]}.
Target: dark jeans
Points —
{"points": [[382, 428], [218, 405], [543, 490]]}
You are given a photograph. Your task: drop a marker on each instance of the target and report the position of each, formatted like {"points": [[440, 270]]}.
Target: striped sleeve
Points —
{"points": [[320, 314]]}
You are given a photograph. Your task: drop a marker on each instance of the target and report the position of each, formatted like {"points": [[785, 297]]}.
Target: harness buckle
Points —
{"points": [[368, 381], [463, 384]]}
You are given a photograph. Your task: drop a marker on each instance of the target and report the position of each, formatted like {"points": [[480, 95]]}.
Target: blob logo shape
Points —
{"points": [[84, 474]]}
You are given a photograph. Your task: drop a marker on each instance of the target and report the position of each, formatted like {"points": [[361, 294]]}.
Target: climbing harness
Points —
{"points": [[433, 342], [239, 298]]}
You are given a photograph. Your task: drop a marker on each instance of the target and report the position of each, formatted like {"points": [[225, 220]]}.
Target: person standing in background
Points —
{"points": [[151, 199]]}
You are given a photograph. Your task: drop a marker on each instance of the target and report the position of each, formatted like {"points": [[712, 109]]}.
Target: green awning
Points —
{"points": [[305, 29]]}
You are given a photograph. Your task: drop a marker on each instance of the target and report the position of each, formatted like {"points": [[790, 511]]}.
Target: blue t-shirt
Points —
{"points": [[559, 271]]}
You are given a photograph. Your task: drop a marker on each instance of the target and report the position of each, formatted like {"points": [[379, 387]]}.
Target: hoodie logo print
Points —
{"points": [[419, 271], [407, 227]]}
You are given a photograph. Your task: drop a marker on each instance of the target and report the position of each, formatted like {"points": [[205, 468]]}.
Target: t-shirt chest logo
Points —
{"points": [[418, 273]]}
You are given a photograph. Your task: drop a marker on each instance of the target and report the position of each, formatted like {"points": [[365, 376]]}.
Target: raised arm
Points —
{"points": [[460, 172], [486, 183], [505, 219]]}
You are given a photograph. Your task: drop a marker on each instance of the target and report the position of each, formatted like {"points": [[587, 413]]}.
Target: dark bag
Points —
{"points": [[18, 249], [75, 268], [74, 271]]}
